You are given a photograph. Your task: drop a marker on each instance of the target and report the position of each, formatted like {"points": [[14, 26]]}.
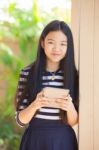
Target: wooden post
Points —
{"points": [[85, 26], [96, 76]]}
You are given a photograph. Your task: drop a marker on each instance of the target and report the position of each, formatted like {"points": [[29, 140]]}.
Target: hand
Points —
{"points": [[65, 103], [41, 101]]}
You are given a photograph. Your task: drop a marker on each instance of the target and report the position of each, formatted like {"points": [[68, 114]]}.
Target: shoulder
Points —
{"points": [[26, 69], [24, 73]]}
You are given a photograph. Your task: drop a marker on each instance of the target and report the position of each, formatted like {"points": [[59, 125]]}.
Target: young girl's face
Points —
{"points": [[55, 46]]}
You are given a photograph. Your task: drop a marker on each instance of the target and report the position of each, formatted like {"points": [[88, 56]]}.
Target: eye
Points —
{"points": [[50, 42], [62, 44]]}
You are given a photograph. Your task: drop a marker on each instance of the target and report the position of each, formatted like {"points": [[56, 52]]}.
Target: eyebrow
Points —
{"points": [[50, 40], [54, 40], [64, 41]]}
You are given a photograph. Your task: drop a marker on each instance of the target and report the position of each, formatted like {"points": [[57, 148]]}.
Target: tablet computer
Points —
{"points": [[52, 92]]}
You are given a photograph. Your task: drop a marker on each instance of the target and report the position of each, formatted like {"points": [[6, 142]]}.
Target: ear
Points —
{"points": [[42, 44]]}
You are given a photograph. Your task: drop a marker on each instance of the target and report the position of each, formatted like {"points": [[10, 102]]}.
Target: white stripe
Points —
{"points": [[16, 113], [26, 68], [17, 99], [53, 83], [47, 117], [60, 71], [18, 123], [50, 77], [20, 87], [23, 79], [21, 107], [24, 73], [19, 93], [49, 110], [25, 101]]}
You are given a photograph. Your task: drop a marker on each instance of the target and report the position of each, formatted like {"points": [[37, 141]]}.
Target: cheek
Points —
{"points": [[48, 49], [64, 51]]}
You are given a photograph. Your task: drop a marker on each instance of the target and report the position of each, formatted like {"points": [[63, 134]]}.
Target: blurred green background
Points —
{"points": [[20, 28]]}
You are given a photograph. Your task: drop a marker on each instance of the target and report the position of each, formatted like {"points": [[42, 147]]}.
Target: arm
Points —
{"points": [[72, 116], [67, 105], [27, 114], [24, 116]]}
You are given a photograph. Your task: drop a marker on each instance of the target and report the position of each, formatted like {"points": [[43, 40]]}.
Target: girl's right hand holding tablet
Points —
{"points": [[41, 101], [27, 114]]}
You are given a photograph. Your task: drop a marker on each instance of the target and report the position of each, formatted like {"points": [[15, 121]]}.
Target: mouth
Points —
{"points": [[55, 54]]}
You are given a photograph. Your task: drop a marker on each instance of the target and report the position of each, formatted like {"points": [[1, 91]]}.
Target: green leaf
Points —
{"points": [[12, 7]]}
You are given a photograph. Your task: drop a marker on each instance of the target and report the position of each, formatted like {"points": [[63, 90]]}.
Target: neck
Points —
{"points": [[52, 67]]}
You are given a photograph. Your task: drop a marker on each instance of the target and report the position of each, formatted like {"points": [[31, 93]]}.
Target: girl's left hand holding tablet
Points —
{"points": [[65, 103]]}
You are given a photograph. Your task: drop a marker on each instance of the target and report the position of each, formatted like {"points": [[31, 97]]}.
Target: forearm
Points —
{"points": [[72, 117], [26, 115]]}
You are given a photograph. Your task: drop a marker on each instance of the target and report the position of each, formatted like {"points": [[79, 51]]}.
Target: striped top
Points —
{"points": [[44, 112]]}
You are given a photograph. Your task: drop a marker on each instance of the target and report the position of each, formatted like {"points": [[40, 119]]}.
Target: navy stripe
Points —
{"points": [[48, 114]]}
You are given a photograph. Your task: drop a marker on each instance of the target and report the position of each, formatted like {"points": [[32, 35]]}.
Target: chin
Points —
{"points": [[56, 61]]}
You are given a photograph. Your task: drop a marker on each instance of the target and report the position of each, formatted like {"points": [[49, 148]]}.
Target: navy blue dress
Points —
{"points": [[46, 131], [48, 135]]}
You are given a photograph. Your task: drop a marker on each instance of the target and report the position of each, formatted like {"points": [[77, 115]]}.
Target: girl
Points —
{"points": [[49, 127]]}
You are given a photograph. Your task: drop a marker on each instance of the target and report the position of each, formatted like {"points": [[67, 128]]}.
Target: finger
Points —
{"points": [[69, 98], [47, 104], [40, 93], [64, 107], [42, 103], [61, 100], [65, 95]]}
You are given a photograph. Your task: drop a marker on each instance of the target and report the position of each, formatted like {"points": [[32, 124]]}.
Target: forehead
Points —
{"points": [[56, 35]]}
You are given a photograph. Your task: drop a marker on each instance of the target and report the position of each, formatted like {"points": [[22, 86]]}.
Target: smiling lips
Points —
{"points": [[55, 54]]}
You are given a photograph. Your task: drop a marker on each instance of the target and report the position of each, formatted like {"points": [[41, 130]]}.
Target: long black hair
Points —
{"points": [[67, 65]]}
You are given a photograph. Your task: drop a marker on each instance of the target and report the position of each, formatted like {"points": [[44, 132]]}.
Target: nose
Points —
{"points": [[56, 47]]}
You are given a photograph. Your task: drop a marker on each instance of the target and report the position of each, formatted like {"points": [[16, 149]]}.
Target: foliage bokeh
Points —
{"points": [[23, 29]]}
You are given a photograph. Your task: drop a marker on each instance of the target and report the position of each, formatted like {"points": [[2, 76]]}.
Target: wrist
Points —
{"points": [[34, 107], [71, 109]]}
